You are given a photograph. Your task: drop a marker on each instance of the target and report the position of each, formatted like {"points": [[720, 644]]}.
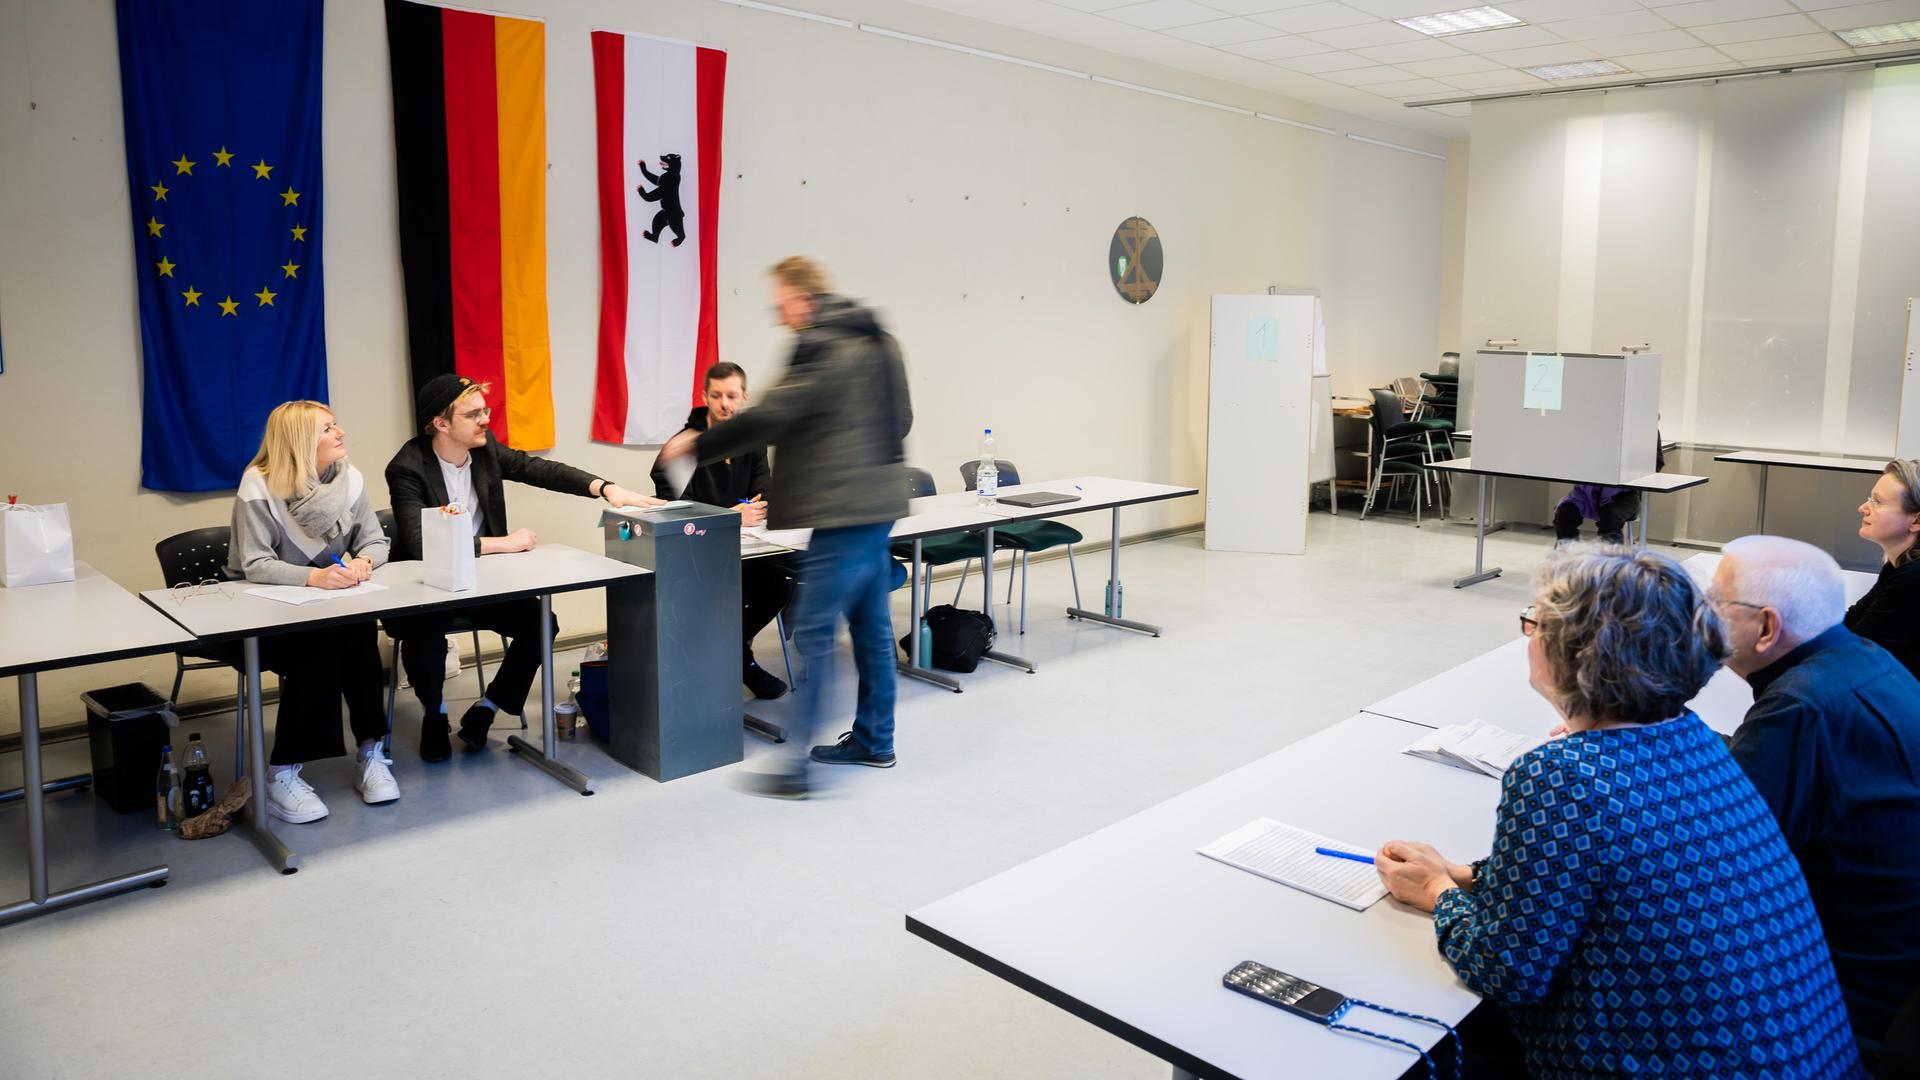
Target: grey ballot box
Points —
{"points": [[673, 640]]}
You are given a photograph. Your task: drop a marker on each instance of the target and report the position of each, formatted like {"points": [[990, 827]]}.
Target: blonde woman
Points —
{"points": [[1889, 615], [302, 517]]}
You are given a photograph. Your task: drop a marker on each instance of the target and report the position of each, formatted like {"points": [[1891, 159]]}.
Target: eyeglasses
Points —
{"points": [[1528, 624], [1719, 603], [478, 414], [187, 590]]}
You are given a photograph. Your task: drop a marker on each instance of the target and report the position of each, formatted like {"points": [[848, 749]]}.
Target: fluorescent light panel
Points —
{"points": [[1464, 21], [1579, 69], [1884, 34]]}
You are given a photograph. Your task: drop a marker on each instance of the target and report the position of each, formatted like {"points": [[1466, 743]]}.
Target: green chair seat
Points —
{"points": [[1036, 535], [941, 549]]}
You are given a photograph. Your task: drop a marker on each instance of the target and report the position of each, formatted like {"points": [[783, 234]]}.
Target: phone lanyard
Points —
{"points": [[1459, 1051]]}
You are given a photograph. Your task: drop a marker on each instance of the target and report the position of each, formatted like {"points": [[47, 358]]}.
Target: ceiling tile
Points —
{"points": [[1493, 80], [1461, 110], [1756, 29], [1889, 11], [1222, 32], [1400, 9], [1643, 43], [1661, 61], [1615, 25], [1718, 11], [1408, 88], [1254, 7], [1456, 65], [1095, 5], [1540, 11], [1786, 46], [1359, 37], [1314, 17], [1411, 50], [1564, 53], [1161, 14], [1333, 61], [1513, 37], [1277, 48], [1362, 76], [1818, 5]]}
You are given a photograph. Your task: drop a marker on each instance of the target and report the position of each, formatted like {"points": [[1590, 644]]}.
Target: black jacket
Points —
{"points": [[414, 482], [721, 483], [840, 417], [1889, 615]]}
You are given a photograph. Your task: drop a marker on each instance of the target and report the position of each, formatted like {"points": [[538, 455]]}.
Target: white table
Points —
{"points": [[1767, 459], [236, 615], [1131, 929], [88, 620], [1650, 484]]}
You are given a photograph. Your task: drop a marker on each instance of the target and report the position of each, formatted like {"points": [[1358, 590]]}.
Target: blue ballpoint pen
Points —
{"points": [[1368, 859]]}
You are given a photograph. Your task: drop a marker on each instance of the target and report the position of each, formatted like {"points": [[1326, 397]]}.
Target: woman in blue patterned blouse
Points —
{"points": [[1640, 913]]}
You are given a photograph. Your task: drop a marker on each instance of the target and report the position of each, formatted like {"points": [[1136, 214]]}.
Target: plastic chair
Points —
{"points": [[189, 558], [459, 625], [940, 550], [1025, 537], [1400, 448]]}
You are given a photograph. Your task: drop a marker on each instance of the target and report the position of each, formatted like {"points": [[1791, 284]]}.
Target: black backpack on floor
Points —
{"points": [[960, 638]]}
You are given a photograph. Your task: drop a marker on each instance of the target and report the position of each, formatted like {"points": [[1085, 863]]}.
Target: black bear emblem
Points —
{"points": [[666, 192]]}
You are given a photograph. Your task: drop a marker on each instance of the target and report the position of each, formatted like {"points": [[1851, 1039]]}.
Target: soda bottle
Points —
{"points": [[166, 791], [197, 794]]}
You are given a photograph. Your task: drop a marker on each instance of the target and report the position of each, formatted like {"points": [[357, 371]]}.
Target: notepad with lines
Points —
{"points": [[1282, 853]]}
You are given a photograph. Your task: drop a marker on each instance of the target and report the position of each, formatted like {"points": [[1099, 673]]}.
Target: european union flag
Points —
{"points": [[222, 101]]}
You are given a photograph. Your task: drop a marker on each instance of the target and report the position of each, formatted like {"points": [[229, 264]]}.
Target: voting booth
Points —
{"points": [[1587, 417], [1260, 425]]}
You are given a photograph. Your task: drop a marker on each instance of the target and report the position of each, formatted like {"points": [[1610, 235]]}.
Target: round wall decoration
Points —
{"points": [[1134, 260]]}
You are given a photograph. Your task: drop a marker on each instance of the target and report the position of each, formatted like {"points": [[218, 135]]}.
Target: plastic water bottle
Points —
{"points": [[166, 791], [197, 794], [573, 687], [986, 478]]}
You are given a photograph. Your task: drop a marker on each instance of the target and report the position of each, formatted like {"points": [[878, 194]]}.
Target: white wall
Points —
{"points": [[970, 200]]}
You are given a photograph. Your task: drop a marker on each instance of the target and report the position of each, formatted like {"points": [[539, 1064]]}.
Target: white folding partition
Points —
{"points": [[1907, 436], [1259, 424]]}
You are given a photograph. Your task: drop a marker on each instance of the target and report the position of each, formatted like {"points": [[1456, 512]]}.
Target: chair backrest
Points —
{"points": [[1408, 387], [193, 557], [1009, 474], [1387, 411], [386, 522], [919, 483]]}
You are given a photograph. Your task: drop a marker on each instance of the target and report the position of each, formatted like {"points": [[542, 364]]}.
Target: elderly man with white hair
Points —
{"points": [[1832, 742]]}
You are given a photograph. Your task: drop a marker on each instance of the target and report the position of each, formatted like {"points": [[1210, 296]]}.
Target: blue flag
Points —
{"points": [[222, 101]]}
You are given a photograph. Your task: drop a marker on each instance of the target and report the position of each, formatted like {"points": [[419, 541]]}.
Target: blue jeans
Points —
{"points": [[845, 572]]}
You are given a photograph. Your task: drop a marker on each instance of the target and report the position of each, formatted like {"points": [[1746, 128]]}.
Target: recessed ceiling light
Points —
{"points": [[1885, 34], [1464, 21], [1578, 70]]}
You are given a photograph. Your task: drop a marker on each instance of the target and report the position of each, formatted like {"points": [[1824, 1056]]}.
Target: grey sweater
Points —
{"points": [[269, 547]]}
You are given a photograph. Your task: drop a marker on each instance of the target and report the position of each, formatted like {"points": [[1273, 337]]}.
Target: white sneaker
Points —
{"points": [[453, 660], [292, 800], [375, 780]]}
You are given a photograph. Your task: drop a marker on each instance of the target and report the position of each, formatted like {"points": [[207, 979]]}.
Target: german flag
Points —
{"points": [[470, 135]]}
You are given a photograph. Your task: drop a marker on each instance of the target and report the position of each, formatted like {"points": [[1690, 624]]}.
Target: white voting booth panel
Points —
{"points": [[1906, 439], [1580, 415], [1259, 424]]}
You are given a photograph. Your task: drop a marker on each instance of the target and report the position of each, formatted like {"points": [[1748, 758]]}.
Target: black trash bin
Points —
{"points": [[126, 727]]}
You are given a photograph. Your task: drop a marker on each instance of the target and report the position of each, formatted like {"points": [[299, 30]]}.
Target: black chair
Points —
{"points": [[1024, 538], [940, 550], [1400, 448], [188, 559], [1900, 1047], [459, 625]]}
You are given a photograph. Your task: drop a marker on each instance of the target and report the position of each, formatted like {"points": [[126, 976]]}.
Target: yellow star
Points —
{"points": [[230, 306], [261, 169], [299, 232], [192, 297], [292, 268], [290, 197], [166, 268], [160, 191], [154, 225], [222, 157], [184, 166], [265, 297]]}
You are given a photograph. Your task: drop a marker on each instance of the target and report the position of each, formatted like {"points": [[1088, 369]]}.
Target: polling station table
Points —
{"points": [[89, 620], [1770, 459], [227, 612], [1131, 928]]}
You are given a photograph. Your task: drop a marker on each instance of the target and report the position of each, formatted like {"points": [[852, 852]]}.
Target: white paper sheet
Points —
{"points": [[1473, 746], [305, 594], [1282, 853]]}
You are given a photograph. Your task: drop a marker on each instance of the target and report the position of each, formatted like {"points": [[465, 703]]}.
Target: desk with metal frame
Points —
{"points": [[228, 613], [1768, 459], [89, 620]]}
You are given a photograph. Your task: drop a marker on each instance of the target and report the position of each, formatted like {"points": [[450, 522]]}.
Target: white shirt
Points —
{"points": [[459, 481]]}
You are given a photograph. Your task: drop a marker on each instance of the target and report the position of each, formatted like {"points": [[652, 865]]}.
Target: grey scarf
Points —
{"points": [[325, 513]]}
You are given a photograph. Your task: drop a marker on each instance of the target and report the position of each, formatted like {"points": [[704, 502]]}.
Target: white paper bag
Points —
{"points": [[36, 545], [446, 545]]}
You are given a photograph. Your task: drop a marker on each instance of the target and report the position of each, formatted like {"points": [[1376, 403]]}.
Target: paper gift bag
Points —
{"points": [[446, 545], [36, 545]]}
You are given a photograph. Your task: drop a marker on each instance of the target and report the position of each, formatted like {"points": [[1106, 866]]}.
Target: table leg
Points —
{"points": [[915, 667], [1111, 616], [1760, 523], [1480, 573], [279, 855], [39, 899], [986, 572], [541, 757]]}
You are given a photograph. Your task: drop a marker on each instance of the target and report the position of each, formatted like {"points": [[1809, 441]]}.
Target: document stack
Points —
{"points": [[1473, 746]]}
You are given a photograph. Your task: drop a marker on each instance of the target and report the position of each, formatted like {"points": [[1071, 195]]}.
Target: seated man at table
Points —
{"points": [[456, 461], [738, 483], [1833, 743]]}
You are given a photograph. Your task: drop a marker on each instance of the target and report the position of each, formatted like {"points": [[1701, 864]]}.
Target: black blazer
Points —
{"points": [[718, 483], [414, 482]]}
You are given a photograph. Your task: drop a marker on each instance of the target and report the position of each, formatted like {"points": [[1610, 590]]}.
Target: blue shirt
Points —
{"points": [[1640, 914]]}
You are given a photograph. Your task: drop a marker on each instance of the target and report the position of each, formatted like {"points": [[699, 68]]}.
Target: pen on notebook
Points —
{"points": [[1368, 859]]}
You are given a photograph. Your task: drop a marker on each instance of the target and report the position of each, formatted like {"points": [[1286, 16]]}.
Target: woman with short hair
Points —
{"points": [[1889, 615], [1640, 912], [302, 517]]}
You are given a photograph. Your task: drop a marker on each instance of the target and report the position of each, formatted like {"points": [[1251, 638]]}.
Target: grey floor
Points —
{"points": [[492, 923]]}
